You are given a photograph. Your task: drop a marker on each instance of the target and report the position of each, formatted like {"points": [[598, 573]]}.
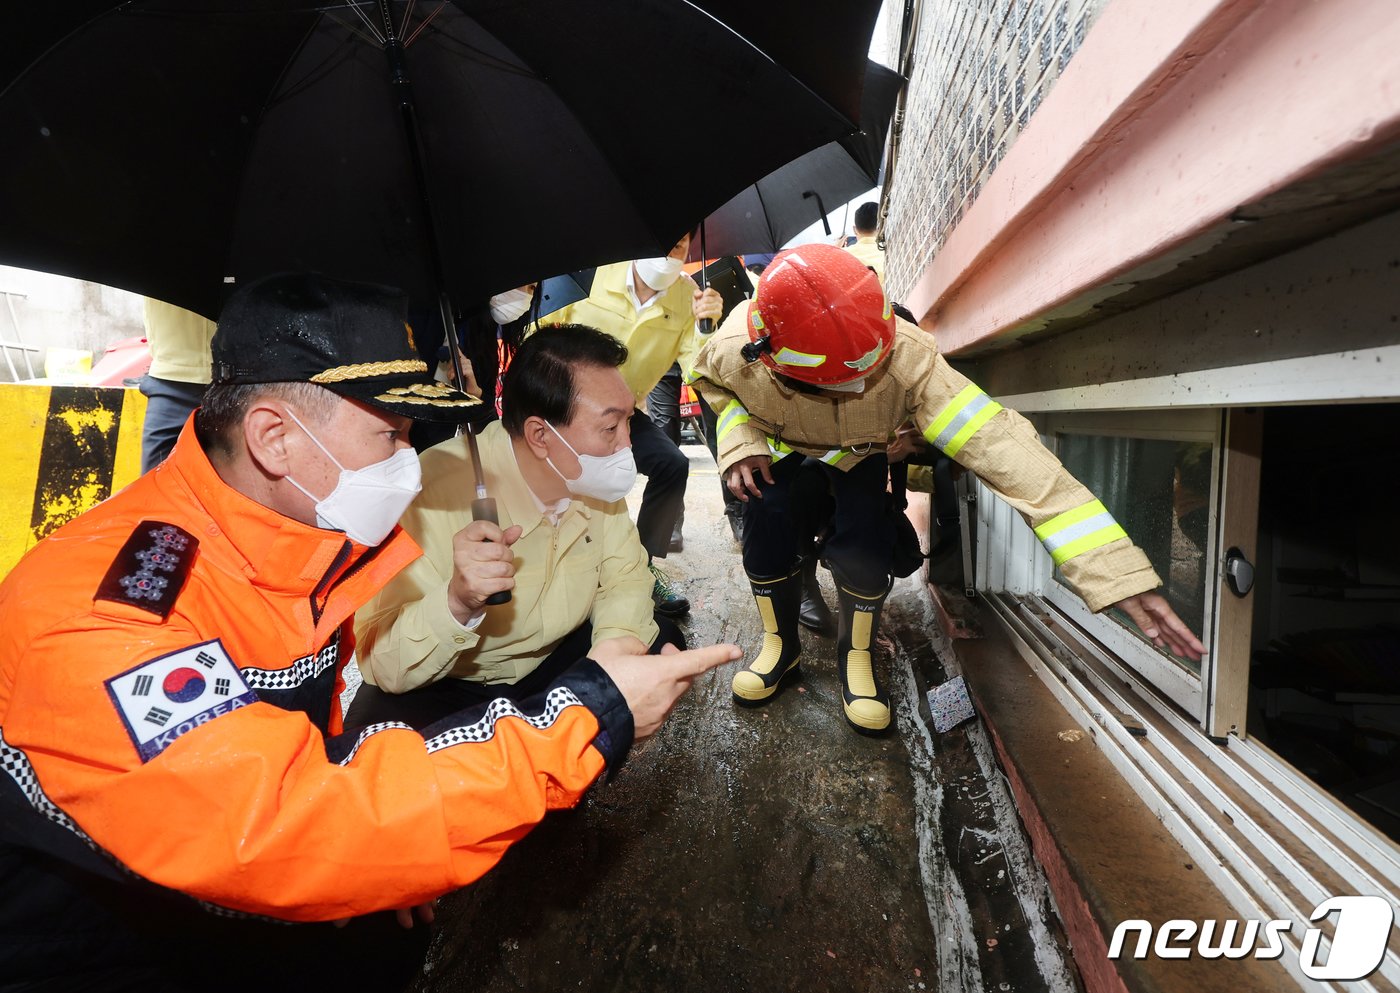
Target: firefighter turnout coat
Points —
{"points": [[759, 415], [170, 671]]}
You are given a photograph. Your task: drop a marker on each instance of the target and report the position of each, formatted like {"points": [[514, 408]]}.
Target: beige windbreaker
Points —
{"points": [[759, 416], [590, 566], [661, 334]]}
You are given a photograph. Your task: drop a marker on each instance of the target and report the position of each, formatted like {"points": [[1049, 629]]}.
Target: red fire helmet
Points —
{"points": [[825, 316]]}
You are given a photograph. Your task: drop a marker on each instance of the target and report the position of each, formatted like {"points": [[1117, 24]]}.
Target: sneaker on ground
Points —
{"points": [[668, 600]]}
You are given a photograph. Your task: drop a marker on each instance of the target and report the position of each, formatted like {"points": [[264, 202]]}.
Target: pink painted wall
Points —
{"points": [[1169, 117]]}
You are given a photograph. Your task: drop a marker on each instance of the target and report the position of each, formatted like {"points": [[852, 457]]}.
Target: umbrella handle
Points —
{"points": [[707, 324], [484, 509], [826, 225]]}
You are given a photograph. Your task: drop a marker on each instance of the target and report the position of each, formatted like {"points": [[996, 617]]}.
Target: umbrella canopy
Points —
{"points": [[557, 292], [172, 147], [765, 216]]}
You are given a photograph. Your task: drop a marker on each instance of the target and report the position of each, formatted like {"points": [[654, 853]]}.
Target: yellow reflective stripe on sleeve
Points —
{"points": [[691, 377], [734, 414], [961, 419], [1077, 531]]}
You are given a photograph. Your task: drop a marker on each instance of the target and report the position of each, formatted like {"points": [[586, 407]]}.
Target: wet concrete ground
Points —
{"points": [[769, 849]]}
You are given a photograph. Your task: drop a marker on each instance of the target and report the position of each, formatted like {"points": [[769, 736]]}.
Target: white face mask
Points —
{"points": [[659, 274], [367, 503], [507, 306], [854, 386], [605, 478]]}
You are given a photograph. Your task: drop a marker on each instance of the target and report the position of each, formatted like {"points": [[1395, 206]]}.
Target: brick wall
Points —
{"points": [[980, 70]]}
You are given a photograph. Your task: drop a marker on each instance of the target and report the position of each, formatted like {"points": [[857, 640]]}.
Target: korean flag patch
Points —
{"points": [[165, 698]]}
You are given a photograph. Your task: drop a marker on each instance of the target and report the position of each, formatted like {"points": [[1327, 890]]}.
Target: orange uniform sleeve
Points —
{"points": [[249, 807]]}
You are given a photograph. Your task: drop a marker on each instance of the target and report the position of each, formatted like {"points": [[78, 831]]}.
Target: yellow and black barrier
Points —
{"points": [[65, 449]]}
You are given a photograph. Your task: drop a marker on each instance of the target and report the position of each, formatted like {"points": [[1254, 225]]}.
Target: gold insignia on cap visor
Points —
{"points": [[432, 394], [367, 370], [408, 329]]}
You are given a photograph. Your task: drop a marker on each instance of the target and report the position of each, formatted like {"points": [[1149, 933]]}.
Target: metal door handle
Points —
{"points": [[1239, 572]]}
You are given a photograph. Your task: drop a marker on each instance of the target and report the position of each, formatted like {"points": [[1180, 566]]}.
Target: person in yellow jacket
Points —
{"points": [[653, 309], [818, 366], [180, 804], [179, 344], [558, 465], [865, 247]]}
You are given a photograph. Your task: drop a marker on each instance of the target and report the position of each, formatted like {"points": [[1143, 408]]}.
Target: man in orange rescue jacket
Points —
{"points": [[176, 782]]}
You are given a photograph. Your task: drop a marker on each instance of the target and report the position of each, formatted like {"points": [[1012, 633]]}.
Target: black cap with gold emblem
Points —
{"points": [[351, 338]]}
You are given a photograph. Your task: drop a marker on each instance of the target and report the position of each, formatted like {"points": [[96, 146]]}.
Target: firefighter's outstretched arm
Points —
{"points": [[1095, 554]]}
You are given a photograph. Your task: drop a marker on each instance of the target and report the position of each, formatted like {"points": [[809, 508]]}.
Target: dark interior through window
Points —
{"points": [[1325, 655]]}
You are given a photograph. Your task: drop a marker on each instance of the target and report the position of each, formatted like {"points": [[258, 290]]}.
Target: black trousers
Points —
{"points": [[664, 403], [667, 469], [429, 704], [62, 929], [779, 528], [168, 406]]}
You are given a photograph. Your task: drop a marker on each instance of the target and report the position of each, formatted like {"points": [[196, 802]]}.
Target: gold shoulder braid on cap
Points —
{"points": [[434, 394], [365, 370]]}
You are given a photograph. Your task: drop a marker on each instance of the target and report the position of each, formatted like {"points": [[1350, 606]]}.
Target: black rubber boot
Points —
{"points": [[781, 652], [814, 613], [867, 706]]}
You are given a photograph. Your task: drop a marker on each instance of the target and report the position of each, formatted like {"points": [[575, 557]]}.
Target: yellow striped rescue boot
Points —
{"points": [[777, 601], [867, 706]]}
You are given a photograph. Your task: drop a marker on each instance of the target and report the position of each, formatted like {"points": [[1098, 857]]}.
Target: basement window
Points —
{"points": [[1157, 473]]}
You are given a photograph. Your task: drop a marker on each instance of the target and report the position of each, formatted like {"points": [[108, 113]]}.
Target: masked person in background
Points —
{"points": [[176, 787], [493, 347], [559, 465], [487, 337], [818, 365], [653, 309]]}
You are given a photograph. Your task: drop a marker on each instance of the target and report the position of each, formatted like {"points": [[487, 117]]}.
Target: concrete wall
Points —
{"points": [[55, 311]]}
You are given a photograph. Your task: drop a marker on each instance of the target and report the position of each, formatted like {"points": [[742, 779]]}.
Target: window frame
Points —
{"points": [[1192, 692]]}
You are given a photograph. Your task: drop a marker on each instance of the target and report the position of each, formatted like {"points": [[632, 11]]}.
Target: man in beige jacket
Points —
{"points": [[653, 308], [559, 465], [838, 375]]}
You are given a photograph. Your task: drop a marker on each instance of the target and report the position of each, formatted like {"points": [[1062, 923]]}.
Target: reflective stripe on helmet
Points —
{"points": [[805, 360], [960, 420], [731, 417], [1080, 530]]}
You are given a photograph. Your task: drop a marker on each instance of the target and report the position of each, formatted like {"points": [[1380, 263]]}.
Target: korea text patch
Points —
{"points": [[165, 698]]}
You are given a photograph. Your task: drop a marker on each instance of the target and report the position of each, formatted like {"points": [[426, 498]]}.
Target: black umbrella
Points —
{"points": [[765, 216], [175, 147], [170, 146]]}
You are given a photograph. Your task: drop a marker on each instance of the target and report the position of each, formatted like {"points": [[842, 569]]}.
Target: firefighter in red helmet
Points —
{"points": [[818, 367]]}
